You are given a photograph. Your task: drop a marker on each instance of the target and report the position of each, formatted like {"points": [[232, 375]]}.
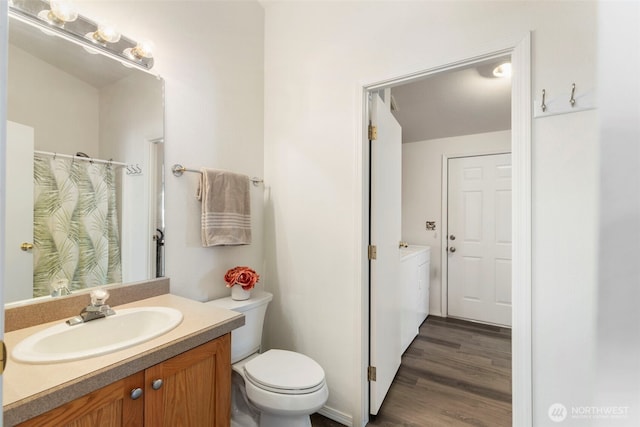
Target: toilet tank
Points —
{"points": [[246, 340]]}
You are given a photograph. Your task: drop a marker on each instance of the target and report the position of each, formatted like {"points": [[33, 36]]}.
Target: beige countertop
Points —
{"points": [[32, 389]]}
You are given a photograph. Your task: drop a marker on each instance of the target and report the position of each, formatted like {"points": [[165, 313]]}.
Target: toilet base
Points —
{"points": [[243, 414], [273, 420]]}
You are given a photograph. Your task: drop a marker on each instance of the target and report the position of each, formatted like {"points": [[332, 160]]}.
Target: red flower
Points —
{"points": [[243, 276]]}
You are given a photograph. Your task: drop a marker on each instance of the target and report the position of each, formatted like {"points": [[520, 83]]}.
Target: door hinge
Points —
{"points": [[3, 354], [373, 251], [373, 132], [371, 373]]}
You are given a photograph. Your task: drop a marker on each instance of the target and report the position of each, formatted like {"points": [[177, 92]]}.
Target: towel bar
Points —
{"points": [[178, 170]]}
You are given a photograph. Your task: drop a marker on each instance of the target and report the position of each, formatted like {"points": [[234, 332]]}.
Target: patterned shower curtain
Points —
{"points": [[75, 224]]}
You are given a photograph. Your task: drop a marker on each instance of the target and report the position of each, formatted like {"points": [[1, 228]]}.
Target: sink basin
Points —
{"points": [[128, 327]]}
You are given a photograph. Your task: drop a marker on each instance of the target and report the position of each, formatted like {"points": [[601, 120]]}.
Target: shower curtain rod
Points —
{"points": [[87, 159], [178, 170]]}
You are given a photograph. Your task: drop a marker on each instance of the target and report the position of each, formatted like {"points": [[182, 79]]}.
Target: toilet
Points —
{"points": [[277, 388]]}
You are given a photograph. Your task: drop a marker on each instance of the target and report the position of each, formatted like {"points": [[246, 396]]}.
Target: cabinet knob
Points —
{"points": [[156, 384], [136, 393], [452, 249]]}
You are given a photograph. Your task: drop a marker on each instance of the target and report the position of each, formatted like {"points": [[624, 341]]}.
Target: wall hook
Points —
{"points": [[544, 106], [572, 101]]}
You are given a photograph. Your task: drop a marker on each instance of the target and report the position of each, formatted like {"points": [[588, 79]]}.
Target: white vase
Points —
{"points": [[239, 294]]}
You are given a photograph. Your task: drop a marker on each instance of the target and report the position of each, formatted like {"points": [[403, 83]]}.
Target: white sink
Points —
{"points": [[128, 327]]}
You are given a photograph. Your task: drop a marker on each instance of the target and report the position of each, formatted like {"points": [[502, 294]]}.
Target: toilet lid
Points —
{"points": [[285, 372]]}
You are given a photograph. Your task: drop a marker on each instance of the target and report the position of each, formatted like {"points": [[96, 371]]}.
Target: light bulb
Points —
{"points": [[61, 12], [104, 34], [143, 49], [503, 70], [64, 10]]}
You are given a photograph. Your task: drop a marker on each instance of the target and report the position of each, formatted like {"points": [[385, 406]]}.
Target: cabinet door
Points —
{"points": [[195, 388], [111, 406], [423, 292]]}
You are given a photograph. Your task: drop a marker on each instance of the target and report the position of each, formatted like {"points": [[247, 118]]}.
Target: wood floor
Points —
{"points": [[455, 373]]}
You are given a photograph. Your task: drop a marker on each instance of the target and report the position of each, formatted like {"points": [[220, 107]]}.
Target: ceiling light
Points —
{"points": [[503, 70]]}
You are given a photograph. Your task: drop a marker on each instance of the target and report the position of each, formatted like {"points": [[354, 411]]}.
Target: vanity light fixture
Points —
{"points": [[62, 18], [503, 70]]}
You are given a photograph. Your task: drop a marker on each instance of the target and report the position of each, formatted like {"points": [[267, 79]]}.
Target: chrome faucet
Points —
{"points": [[60, 287], [96, 310]]}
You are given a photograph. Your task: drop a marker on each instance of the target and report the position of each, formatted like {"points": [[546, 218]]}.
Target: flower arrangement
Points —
{"points": [[243, 276]]}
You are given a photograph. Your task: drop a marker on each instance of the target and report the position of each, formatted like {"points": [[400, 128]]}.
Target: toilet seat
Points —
{"points": [[285, 372]]}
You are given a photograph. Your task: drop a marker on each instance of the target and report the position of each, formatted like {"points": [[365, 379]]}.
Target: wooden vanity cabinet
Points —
{"points": [[190, 389], [195, 389], [109, 406]]}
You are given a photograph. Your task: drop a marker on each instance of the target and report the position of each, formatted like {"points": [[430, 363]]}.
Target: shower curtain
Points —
{"points": [[75, 231]]}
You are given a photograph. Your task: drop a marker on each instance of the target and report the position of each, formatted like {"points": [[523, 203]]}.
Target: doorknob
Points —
{"points": [[26, 246], [452, 249]]}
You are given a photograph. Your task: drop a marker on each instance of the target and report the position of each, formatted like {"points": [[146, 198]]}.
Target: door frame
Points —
{"points": [[444, 215], [4, 43], [521, 117]]}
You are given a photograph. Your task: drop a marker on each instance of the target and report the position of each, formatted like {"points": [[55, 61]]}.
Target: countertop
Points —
{"points": [[413, 250], [29, 389]]}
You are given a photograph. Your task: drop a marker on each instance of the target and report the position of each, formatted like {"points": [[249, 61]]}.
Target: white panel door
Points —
{"points": [[386, 185], [479, 239], [18, 275]]}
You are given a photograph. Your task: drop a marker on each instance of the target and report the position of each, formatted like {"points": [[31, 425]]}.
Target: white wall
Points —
{"points": [[61, 108], [422, 192], [210, 54], [618, 339], [318, 55]]}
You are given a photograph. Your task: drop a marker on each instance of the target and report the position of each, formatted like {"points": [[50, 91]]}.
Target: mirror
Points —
{"points": [[85, 186]]}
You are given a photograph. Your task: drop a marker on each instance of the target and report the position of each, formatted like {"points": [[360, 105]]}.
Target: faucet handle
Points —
{"points": [[98, 297]]}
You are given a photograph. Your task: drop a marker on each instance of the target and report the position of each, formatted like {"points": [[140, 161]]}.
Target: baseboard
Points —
{"points": [[336, 415]]}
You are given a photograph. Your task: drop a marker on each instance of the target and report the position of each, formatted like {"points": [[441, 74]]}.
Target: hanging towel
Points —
{"points": [[226, 208]]}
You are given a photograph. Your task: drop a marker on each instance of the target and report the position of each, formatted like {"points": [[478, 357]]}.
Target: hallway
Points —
{"points": [[455, 373]]}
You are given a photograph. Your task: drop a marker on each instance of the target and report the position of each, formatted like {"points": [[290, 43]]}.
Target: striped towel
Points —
{"points": [[226, 208]]}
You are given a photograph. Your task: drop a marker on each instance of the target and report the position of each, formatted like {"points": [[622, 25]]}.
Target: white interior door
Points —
{"points": [[18, 275], [385, 208], [479, 238]]}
